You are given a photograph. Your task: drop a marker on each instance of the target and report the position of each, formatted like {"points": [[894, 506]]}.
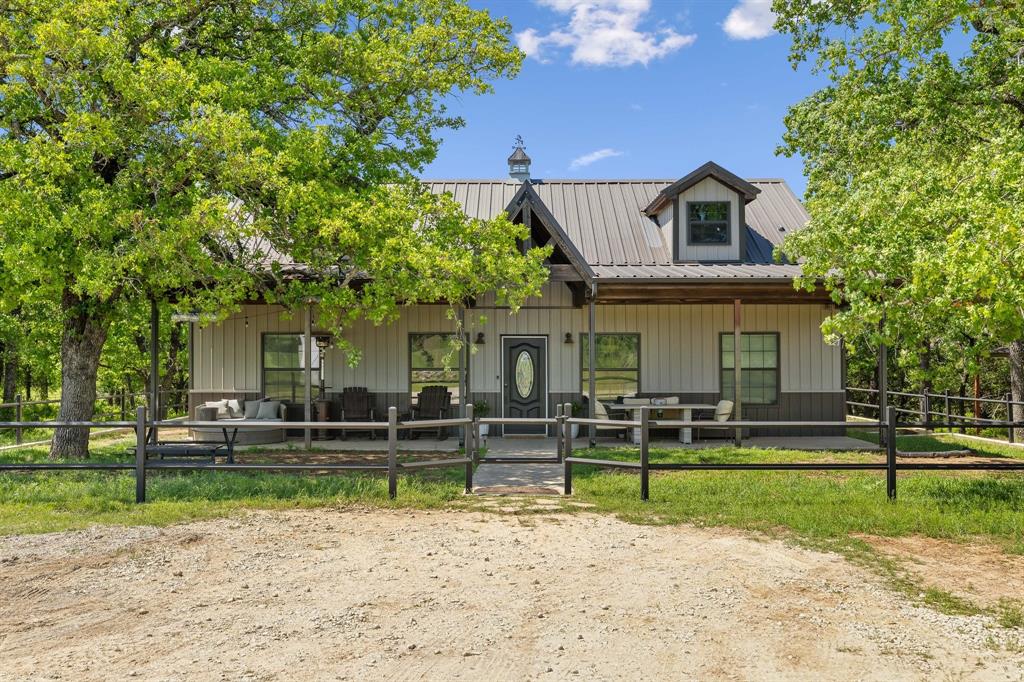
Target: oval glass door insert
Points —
{"points": [[524, 374]]}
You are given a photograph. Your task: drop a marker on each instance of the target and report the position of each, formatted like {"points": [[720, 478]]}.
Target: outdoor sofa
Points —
{"points": [[232, 411]]}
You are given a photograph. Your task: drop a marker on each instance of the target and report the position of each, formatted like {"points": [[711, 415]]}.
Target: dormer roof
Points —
{"points": [[709, 170]]}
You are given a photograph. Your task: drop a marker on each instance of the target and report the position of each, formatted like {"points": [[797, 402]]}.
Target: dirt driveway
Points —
{"points": [[334, 594]]}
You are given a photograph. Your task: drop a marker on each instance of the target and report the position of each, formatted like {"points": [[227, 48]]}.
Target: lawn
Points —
{"points": [[41, 502]]}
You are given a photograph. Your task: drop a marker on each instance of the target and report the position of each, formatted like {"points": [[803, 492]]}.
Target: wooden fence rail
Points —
{"points": [[891, 466], [929, 402], [143, 449]]}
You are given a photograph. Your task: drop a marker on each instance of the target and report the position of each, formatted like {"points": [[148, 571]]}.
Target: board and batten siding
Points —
{"points": [[679, 345], [707, 189]]}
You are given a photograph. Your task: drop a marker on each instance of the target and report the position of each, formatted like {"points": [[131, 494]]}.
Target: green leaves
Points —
{"points": [[203, 148], [914, 155]]}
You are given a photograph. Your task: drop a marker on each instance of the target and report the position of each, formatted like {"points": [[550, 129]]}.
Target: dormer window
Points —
{"points": [[707, 223]]}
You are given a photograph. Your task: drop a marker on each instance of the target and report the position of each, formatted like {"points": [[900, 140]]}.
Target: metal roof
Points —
{"points": [[604, 219]]}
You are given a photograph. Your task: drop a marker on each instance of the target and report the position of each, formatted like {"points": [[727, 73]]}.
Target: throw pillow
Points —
{"points": [[235, 408], [252, 408], [269, 409]]}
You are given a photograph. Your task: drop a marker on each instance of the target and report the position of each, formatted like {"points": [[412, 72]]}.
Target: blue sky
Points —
{"points": [[634, 88]]}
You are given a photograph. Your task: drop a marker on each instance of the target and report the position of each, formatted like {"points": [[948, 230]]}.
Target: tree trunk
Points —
{"points": [[81, 343], [1017, 384], [10, 372]]}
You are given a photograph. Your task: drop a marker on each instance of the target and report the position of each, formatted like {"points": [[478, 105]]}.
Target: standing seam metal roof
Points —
{"points": [[604, 219]]}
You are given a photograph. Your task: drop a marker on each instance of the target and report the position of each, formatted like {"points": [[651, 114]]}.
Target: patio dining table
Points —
{"points": [[685, 434]]}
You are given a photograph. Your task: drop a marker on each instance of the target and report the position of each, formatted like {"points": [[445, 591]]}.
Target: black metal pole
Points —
{"points": [[468, 429], [890, 452], [140, 454], [883, 385], [645, 443], [154, 364], [592, 363], [567, 438], [392, 452]]}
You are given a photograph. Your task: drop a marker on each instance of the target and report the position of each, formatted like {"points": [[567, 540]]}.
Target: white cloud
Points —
{"points": [[593, 157], [603, 33], [750, 20]]}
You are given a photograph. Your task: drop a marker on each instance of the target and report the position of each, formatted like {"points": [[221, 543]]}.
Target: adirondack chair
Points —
{"points": [[356, 406], [435, 402], [722, 413]]}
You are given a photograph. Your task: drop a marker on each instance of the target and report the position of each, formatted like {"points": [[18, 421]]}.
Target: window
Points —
{"points": [[618, 364], [284, 369], [433, 361], [707, 222], [760, 368]]}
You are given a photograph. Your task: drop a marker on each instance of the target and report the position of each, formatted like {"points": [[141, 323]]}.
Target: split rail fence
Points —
{"points": [[562, 422], [925, 406], [890, 466], [145, 462]]}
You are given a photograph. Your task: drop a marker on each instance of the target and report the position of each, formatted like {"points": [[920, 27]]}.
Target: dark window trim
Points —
{"points": [[778, 364], [728, 224], [408, 357], [639, 359], [263, 370]]}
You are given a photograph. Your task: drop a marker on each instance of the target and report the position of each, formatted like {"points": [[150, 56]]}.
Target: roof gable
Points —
{"points": [[527, 196], [709, 170]]}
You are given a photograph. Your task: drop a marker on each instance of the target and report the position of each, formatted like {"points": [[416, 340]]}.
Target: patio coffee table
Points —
{"points": [[685, 434]]}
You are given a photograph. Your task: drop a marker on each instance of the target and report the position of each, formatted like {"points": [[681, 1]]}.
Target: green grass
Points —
{"points": [[943, 441], [41, 502]]}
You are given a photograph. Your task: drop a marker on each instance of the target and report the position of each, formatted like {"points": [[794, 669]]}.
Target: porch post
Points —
{"points": [[307, 354], [154, 364], [463, 384], [592, 360], [737, 363]]}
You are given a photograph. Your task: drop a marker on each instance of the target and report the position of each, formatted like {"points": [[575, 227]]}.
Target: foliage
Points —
{"points": [[914, 153], [481, 409], [204, 148]]}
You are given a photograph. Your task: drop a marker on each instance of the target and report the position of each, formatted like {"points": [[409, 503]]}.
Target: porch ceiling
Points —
{"points": [[639, 292]]}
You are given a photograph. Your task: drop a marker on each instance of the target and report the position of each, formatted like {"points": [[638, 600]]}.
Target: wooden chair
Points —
{"points": [[723, 411], [435, 402], [357, 406]]}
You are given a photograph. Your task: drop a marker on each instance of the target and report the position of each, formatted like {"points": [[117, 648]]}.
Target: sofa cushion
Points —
{"points": [[636, 401], [235, 408], [269, 409], [252, 408]]}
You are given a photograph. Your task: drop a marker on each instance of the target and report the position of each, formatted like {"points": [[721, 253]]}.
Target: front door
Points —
{"points": [[524, 375]]}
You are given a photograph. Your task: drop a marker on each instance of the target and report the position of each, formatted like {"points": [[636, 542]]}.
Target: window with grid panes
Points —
{"points": [[759, 365]]}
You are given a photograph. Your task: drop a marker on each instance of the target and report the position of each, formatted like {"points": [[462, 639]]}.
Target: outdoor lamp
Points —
{"points": [[568, 337], [479, 338]]}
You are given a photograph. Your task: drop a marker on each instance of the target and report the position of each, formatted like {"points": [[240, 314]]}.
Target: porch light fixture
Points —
{"points": [[479, 339], [322, 342], [568, 338]]}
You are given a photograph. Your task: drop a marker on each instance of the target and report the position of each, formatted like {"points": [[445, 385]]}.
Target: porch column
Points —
{"points": [[737, 363], [154, 364], [307, 354], [463, 383], [592, 360]]}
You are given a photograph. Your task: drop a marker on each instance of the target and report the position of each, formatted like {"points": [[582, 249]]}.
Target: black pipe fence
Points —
{"points": [[890, 466], [145, 451], [927, 405]]}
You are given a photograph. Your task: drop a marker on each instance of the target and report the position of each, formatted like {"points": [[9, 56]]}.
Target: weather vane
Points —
{"points": [[519, 142]]}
